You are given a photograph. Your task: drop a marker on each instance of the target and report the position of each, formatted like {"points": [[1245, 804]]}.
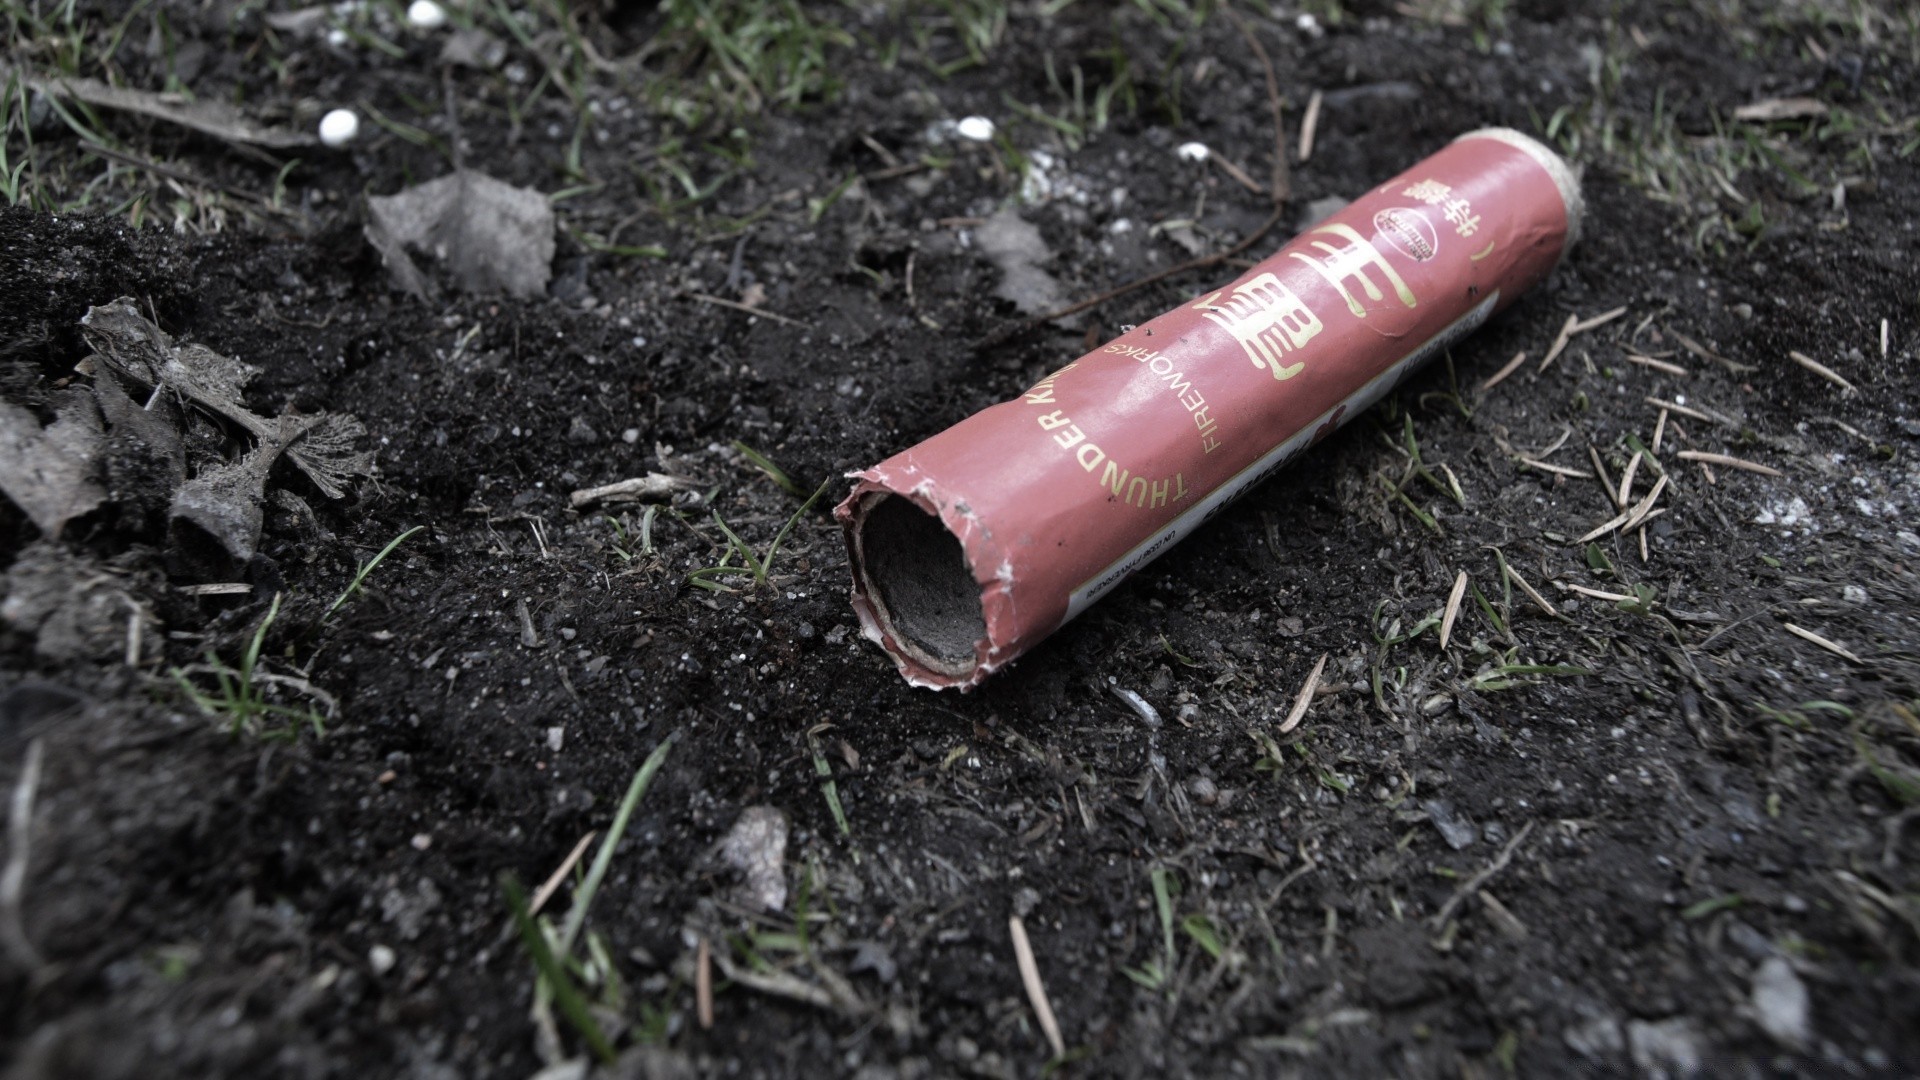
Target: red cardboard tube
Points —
{"points": [[971, 547]]}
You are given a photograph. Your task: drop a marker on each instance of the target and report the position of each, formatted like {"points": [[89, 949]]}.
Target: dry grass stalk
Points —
{"points": [[1658, 365], [1559, 343], [1597, 321], [1309, 124], [1597, 594], [1729, 462], [1474, 883], [13, 880], [1660, 429], [1643, 510], [1558, 470], [1305, 698], [1036, 990], [1453, 608], [1820, 369], [1683, 410], [1626, 480], [1705, 353], [703, 985], [1825, 643], [1497, 377], [552, 884], [1539, 601], [1606, 481]]}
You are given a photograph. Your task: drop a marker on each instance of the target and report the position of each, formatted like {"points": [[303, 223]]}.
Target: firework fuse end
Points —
{"points": [[971, 547]]}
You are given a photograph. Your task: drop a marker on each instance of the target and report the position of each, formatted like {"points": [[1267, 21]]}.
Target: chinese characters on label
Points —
{"points": [[1352, 259], [1459, 212], [1268, 320]]}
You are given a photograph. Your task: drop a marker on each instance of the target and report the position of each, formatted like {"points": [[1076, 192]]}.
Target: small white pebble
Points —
{"points": [[422, 841], [556, 738], [381, 959], [426, 15], [630, 436], [1309, 25], [1194, 151], [337, 38], [976, 129], [339, 127]]}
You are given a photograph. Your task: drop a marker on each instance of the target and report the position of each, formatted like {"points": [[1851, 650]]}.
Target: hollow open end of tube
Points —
{"points": [[923, 594]]}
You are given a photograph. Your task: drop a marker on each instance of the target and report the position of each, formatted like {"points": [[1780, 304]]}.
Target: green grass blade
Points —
{"points": [[565, 994], [583, 896]]}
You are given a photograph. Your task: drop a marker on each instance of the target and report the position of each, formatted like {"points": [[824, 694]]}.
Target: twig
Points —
{"points": [[1830, 646], [1453, 607], [1597, 321], [1476, 881], [1036, 990], [13, 880], [738, 306], [1606, 482], [1282, 187], [1305, 697], [1820, 369], [1730, 462]]}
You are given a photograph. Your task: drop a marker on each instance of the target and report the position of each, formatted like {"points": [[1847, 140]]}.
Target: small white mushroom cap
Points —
{"points": [[976, 129], [426, 15], [1194, 151], [339, 127]]}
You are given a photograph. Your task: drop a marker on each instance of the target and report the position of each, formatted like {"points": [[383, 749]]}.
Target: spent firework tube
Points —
{"points": [[971, 547]]}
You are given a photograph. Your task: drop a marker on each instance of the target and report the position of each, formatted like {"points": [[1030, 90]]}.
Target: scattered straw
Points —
{"points": [[1885, 326], [1300, 703], [1309, 124], [1820, 369], [1453, 608], [1497, 377], [1643, 510], [1829, 645], [1595, 593], [1729, 462], [1660, 429], [1036, 990], [1658, 365]]}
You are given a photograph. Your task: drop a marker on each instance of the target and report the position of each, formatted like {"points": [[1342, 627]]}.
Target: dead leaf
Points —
{"points": [[136, 350], [50, 473], [207, 116], [1015, 246], [493, 236], [224, 505], [1794, 108]]}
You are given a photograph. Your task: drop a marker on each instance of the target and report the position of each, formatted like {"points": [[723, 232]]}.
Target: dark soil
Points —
{"points": [[1718, 795]]}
